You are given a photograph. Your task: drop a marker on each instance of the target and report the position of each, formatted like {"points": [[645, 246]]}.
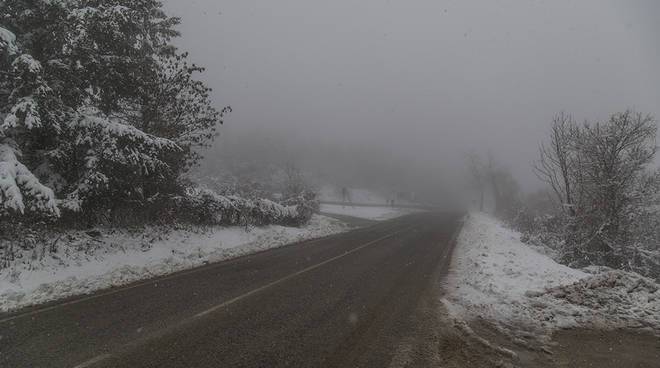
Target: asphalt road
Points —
{"points": [[340, 301]]}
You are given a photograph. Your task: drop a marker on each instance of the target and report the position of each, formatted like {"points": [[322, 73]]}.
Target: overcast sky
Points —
{"points": [[424, 79]]}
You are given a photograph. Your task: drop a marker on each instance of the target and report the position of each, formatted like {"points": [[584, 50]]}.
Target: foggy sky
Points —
{"points": [[421, 80]]}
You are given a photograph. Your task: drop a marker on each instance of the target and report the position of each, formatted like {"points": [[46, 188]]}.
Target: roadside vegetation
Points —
{"points": [[582, 254], [102, 120], [602, 205]]}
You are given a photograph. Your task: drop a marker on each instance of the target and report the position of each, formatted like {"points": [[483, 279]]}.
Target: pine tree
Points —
{"points": [[21, 84], [103, 108]]}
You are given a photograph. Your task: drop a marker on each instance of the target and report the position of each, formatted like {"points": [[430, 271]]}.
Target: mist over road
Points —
{"points": [[344, 300]]}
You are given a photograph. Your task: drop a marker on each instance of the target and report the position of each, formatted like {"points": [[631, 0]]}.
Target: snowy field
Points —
{"points": [[364, 212], [498, 278], [84, 264]]}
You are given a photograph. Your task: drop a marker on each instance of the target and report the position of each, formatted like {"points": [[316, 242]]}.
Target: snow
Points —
{"points": [[26, 63], [498, 278], [329, 193], [91, 118], [27, 107], [8, 41], [493, 270], [86, 263], [365, 212], [16, 180]]}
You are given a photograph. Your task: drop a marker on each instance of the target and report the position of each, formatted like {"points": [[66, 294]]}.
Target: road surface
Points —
{"points": [[345, 300]]}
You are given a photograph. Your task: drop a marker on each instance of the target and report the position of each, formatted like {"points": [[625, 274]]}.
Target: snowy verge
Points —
{"points": [[85, 263], [366, 212], [498, 278]]}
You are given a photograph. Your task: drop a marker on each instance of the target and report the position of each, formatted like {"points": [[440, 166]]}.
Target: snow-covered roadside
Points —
{"points": [[84, 263], [366, 212], [502, 280], [330, 193]]}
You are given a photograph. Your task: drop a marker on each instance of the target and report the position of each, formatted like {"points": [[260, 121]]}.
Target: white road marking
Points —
{"points": [[310, 268], [92, 361]]}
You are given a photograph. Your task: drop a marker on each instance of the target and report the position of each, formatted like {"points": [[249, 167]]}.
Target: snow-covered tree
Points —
{"points": [[96, 101], [599, 174], [19, 187]]}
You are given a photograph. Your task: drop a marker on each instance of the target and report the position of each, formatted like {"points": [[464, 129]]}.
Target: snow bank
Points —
{"points": [[611, 299], [85, 263], [493, 270], [365, 212], [497, 277]]}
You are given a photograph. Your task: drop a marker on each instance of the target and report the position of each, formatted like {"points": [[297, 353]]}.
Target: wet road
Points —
{"points": [[345, 300]]}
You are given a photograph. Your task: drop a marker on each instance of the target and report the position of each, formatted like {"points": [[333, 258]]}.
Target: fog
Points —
{"points": [[396, 92]]}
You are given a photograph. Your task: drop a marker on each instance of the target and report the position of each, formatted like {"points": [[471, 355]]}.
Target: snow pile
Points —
{"points": [[365, 212], [500, 279], [611, 299], [93, 260], [493, 270]]}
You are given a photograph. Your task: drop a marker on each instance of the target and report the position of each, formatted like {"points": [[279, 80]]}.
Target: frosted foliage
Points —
{"points": [[17, 183], [25, 108], [91, 119], [7, 42], [26, 63]]}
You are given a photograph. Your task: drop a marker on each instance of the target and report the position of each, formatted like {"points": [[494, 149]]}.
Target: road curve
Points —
{"points": [[344, 300]]}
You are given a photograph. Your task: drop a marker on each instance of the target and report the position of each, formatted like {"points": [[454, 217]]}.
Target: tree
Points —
{"points": [[615, 155], [558, 162], [103, 108], [597, 172], [178, 107], [19, 187]]}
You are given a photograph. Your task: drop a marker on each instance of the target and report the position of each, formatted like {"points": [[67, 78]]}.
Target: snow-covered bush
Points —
{"points": [[608, 200], [203, 206]]}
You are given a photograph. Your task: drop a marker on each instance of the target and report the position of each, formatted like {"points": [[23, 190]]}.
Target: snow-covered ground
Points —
{"points": [[84, 263], [365, 212], [329, 193], [500, 279]]}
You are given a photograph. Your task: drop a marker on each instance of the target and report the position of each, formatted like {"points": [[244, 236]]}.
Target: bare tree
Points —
{"points": [[558, 163], [615, 155], [597, 172]]}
